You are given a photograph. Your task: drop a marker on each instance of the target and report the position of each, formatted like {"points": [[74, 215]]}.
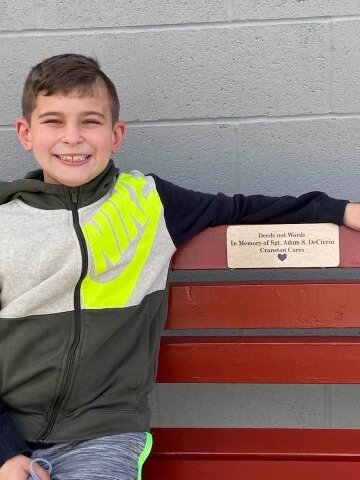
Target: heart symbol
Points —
{"points": [[282, 256]]}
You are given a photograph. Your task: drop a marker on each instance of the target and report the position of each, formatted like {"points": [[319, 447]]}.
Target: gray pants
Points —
{"points": [[115, 457]]}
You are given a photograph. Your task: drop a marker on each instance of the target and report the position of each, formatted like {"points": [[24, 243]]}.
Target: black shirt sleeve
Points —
{"points": [[188, 212], [11, 443]]}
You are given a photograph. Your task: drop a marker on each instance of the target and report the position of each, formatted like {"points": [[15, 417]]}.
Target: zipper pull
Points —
{"points": [[74, 196]]}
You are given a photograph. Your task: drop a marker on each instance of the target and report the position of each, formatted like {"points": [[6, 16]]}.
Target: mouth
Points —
{"points": [[73, 159]]}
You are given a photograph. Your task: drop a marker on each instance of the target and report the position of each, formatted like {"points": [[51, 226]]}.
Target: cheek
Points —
{"points": [[102, 142], [44, 140]]}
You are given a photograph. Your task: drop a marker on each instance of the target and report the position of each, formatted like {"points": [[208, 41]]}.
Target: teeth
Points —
{"points": [[73, 158]]}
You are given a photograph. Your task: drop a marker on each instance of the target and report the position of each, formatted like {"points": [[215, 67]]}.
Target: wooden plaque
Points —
{"points": [[283, 246]]}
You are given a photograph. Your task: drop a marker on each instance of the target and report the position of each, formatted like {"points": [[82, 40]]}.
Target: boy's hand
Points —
{"points": [[18, 468], [352, 216]]}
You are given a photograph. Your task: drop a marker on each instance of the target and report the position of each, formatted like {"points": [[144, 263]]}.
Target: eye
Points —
{"points": [[53, 120], [92, 121]]}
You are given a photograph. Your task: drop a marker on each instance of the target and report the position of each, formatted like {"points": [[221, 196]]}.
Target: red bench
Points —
{"points": [[258, 453]]}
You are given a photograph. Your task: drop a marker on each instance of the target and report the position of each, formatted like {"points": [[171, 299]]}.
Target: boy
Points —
{"points": [[84, 256]]}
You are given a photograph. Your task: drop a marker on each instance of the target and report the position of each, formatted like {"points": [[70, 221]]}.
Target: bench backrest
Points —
{"points": [[273, 304]]}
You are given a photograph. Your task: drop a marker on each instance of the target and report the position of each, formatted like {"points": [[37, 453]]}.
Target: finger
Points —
{"points": [[39, 472]]}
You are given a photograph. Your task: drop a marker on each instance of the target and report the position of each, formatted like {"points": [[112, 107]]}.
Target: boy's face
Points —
{"points": [[71, 137]]}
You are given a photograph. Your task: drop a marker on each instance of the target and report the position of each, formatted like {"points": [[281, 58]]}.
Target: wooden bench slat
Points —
{"points": [[208, 250], [278, 305], [250, 470], [257, 443], [293, 360], [199, 453]]}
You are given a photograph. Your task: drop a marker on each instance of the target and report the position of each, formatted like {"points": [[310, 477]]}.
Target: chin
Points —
{"points": [[75, 180]]}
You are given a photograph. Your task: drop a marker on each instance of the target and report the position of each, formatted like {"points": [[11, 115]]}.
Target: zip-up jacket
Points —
{"points": [[83, 282]]}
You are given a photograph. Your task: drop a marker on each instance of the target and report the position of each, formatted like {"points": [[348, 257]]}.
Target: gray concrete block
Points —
{"points": [[54, 14], [230, 72], [297, 156], [14, 161], [200, 157], [276, 9], [245, 405], [227, 72], [345, 403], [346, 66], [17, 16]]}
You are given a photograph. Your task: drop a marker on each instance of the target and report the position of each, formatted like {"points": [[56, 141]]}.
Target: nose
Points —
{"points": [[72, 134]]}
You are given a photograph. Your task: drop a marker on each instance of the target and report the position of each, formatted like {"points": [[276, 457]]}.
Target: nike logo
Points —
{"points": [[127, 220]]}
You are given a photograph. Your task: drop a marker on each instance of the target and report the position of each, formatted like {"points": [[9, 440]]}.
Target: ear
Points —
{"points": [[118, 136], [23, 133]]}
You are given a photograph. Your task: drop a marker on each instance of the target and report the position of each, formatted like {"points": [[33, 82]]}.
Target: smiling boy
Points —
{"points": [[80, 131], [84, 258]]}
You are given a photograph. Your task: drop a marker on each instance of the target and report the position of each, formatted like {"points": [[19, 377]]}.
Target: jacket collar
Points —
{"points": [[33, 191]]}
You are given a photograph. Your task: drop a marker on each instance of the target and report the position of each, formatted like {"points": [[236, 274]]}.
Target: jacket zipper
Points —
{"points": [[77, 310]]}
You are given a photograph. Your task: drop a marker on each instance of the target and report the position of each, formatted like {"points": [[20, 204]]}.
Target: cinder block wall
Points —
{"points": [[231, 95]]}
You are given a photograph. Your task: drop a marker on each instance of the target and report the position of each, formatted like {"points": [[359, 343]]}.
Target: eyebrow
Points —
{"points": [[46, 114], [95, 113]]}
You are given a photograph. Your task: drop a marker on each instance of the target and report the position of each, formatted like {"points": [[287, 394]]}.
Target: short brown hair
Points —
{"points": [[64, 73]]}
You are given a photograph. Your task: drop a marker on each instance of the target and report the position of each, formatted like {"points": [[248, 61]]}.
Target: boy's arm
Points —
{"points": [[188, 212], [11, 443], [352, 216]]}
